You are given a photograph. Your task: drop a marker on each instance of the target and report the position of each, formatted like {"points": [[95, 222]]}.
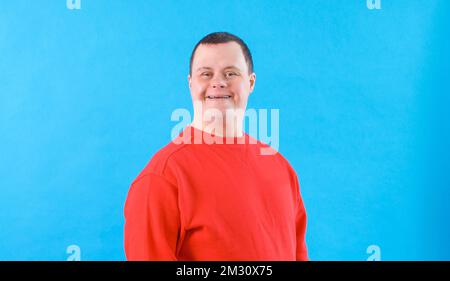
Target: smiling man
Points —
{"points": [[221, 200], [221, 79]]}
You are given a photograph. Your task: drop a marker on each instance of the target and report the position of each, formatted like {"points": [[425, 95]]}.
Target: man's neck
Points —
{"points": [[219, 129]]}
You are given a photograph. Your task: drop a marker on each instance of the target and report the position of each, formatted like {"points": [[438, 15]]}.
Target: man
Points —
{"points": [[221, 199]]}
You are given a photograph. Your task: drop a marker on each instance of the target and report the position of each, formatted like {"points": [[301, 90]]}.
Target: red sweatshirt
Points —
{"points": [[206, 202]]}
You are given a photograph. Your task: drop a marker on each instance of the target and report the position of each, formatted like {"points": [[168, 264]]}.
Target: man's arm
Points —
{"points": [[300, 222], [152, 219]]}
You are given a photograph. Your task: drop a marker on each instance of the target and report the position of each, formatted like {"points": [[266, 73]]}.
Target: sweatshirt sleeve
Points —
{"points": [[152, 219], [300, 222]]}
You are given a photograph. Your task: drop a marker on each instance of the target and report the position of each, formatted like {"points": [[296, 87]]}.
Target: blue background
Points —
{"points": [[86, 98]]}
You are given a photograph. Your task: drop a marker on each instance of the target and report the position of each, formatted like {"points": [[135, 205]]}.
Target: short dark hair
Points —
{"points": [[224, 37]]}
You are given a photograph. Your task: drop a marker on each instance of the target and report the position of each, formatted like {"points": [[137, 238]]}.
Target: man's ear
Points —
{"points": [[252, 81], [189, 80]]}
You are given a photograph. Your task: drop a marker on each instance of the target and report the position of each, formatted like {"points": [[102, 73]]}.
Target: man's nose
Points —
{"points": [[218, 83]]}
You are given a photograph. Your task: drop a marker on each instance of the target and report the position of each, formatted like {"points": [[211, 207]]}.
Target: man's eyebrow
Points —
{"points": [[203, 68], [209, 68], [232, 66]]}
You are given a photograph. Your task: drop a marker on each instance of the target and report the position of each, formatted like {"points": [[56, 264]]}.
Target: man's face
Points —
{"points": [[220, 77]]}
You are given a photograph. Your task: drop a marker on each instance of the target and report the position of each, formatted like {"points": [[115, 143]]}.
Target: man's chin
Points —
{"points": [[222, 108], [218, 104]]}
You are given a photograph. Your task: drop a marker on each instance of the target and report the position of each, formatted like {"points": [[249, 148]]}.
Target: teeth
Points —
{"points": [[223, 97]]}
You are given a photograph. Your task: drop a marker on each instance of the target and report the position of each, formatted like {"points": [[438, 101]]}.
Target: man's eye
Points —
{"points": [[205, 74], [228, 74]]}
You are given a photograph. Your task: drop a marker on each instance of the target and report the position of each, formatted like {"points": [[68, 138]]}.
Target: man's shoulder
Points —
{"points": [[157, 164], [278, 157]]}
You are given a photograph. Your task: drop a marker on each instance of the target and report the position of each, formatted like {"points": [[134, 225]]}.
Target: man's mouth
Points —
{"points": [[218, 97]]}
